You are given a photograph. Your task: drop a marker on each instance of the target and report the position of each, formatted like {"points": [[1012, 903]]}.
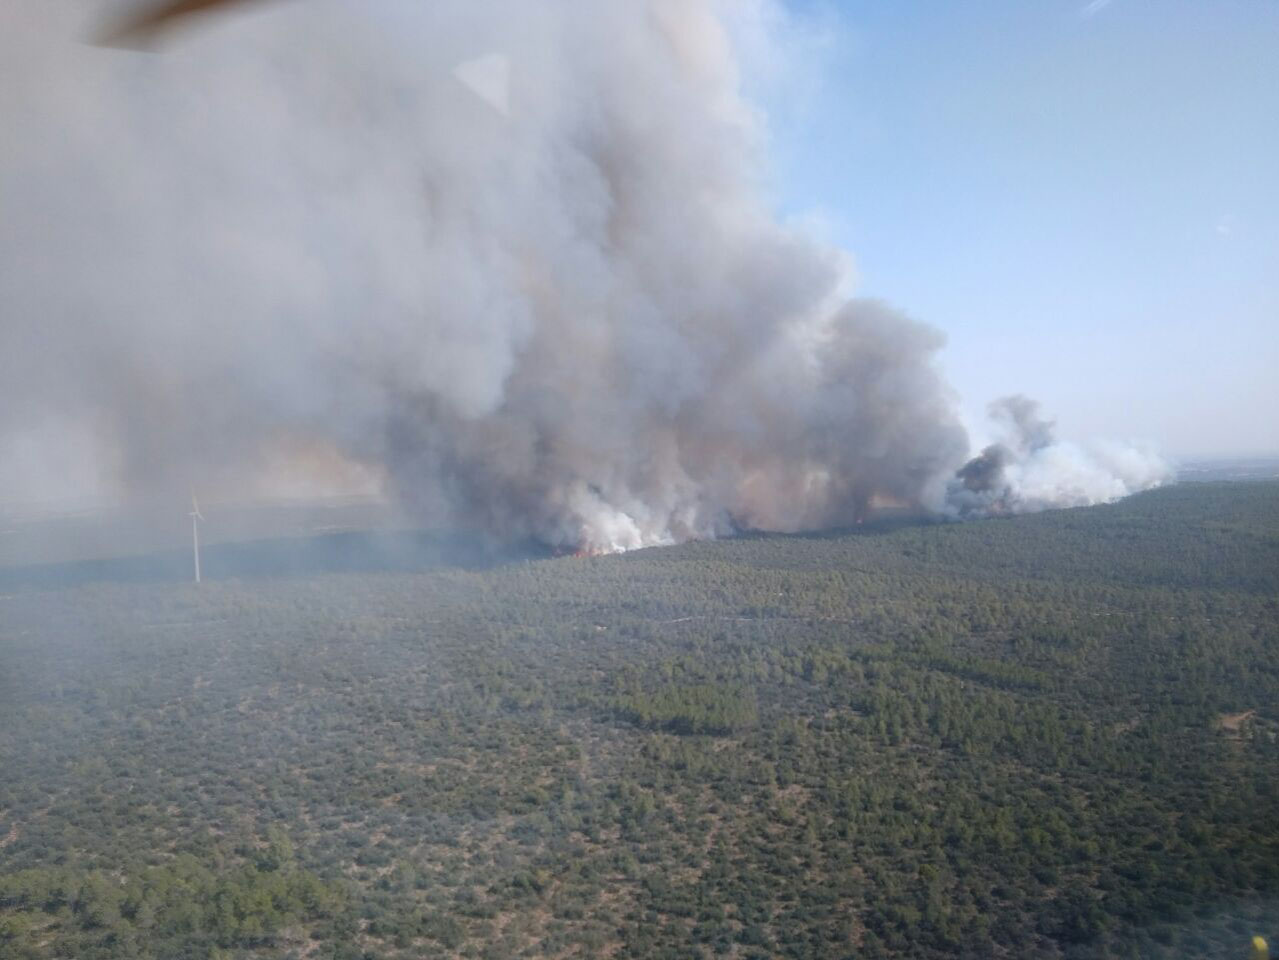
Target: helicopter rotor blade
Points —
{"points": [[146, 23]]}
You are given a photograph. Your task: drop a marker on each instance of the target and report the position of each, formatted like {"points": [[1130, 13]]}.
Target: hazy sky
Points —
{"points": [[1085, 197]]}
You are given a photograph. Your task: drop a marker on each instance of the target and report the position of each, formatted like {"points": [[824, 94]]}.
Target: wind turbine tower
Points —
{"points": [[196, 519]]}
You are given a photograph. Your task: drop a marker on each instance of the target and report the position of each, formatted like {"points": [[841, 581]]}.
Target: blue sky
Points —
{"points": [[1085, 199]]}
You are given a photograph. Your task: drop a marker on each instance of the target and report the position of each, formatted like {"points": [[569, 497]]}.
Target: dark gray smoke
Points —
{"points": [[559, 308], [984, 473], [985, 484]]}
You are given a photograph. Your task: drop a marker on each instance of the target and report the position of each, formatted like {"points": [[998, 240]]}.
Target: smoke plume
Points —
{"points": [[1028, 469], [572, 318]]}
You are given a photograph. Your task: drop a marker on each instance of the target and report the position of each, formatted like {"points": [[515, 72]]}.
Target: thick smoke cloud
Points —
{"points": [[1028, 469], [574, 318]]}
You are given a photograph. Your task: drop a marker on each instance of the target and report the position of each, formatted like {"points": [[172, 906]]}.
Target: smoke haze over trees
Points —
{"points": [[1051, 737], [299, 237]]}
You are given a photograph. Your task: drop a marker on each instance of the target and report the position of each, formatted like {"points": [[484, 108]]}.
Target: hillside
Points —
{"points": [[1049, 736]]}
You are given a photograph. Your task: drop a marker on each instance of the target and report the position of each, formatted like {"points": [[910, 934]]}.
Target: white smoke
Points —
{"points": [[571, 317], [1028, 469]]}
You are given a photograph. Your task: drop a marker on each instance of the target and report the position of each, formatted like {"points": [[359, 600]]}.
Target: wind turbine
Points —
{"points": [[196, 519]]}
